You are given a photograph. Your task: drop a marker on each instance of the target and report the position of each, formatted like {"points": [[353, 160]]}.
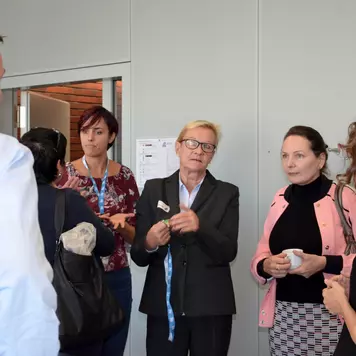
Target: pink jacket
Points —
{"points": [[333, 240]]}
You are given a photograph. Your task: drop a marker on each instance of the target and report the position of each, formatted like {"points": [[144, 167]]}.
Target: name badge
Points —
{"points": [[163, 206]]}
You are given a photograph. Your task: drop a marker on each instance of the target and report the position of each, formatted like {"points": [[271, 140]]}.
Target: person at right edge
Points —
{"points": [[340, 294], [302, 216], [186, 233]]}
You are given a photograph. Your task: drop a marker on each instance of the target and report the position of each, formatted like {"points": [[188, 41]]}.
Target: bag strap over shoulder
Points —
{"points": [[59, 212], [346, 226]]}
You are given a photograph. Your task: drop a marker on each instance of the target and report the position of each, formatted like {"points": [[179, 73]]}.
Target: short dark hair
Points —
{"points": [[94, 115], [2, 38], [48, 146], [317, 143]]}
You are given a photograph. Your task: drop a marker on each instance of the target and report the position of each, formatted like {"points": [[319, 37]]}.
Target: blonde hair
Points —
{"points": [[203, 124]]}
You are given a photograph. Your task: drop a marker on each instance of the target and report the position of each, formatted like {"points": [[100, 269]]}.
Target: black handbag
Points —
{"points": [[86, 309], [346, 225]]}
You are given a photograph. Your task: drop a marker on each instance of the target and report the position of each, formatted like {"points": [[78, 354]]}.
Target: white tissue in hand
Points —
{"points": [[81, 239]]}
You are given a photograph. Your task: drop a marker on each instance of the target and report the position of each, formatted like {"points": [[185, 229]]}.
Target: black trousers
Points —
{"points": [[92, 350], [201, 336]]}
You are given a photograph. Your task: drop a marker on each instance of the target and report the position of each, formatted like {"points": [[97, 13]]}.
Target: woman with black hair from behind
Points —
{"points": [[48, 148]]}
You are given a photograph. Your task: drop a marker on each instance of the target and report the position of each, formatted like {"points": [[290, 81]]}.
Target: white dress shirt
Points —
{"points": [[184, 196], [28, 322]]}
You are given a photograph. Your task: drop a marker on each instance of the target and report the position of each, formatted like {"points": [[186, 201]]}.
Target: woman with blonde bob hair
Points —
{"points": [[186, 233]]}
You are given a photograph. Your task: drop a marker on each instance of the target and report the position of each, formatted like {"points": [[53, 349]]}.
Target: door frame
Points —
{"points": [[104, 73]]}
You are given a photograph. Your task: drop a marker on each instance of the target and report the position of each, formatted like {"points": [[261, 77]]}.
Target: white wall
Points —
{"points": [[47, 35], [198, 60]]}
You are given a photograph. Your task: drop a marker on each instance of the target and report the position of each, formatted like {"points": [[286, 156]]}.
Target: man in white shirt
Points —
{"points": [[28, 322]]}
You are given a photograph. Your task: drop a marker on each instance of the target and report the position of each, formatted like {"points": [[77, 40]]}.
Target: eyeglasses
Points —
{"points": [[194, 144]]}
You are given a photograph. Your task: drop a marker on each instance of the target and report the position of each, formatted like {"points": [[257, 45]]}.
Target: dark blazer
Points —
{"points": [[201, 280]]}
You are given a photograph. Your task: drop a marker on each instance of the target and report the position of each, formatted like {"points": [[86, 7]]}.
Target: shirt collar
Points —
{"points": [[181, 184]]}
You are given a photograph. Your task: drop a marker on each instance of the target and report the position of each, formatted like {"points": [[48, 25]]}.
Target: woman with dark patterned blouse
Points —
{"points": [[111, 191]]}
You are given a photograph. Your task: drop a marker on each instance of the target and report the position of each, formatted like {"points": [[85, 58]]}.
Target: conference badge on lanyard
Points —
{"points": [[101, 194]]}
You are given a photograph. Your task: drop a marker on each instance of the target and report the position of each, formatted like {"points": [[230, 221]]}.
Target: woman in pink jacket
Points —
{"points": [[302, 216]]}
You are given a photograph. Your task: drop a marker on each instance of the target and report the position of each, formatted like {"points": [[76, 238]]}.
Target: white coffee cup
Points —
{"points": [[295, 261]]}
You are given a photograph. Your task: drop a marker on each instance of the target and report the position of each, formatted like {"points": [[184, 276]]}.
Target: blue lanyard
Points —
{"points": [[101, 194], [168, 266]]}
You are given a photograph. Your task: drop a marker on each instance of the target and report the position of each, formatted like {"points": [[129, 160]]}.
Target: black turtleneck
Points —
{"points": [[298, 228]]}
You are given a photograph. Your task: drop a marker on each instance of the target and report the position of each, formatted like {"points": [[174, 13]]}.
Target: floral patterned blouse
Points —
{"points": [[121, 196]]}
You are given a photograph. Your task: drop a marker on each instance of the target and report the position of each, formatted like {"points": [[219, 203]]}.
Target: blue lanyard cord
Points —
{"points": [[168, 266], [101, 194]]}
